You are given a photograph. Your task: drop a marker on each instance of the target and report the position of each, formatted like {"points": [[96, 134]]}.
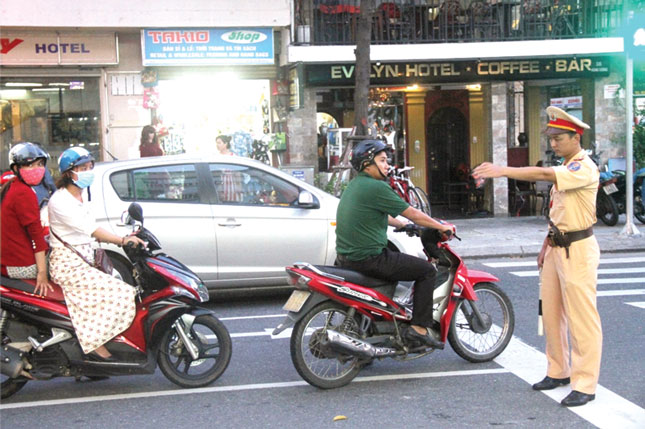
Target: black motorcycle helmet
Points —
{"points": [[26, 153], [364, 152]]}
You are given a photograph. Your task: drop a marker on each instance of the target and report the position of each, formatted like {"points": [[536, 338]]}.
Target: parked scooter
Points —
{"points": [[343, 320], [618, 196], [606, 209], [191, 346]]}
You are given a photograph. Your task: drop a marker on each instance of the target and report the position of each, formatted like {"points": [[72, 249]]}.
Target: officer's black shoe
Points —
{"points": [[411, 334], [551, 383], [575, 399]]}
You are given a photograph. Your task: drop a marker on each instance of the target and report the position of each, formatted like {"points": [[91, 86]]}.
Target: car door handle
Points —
{"points": [[230, 222]]}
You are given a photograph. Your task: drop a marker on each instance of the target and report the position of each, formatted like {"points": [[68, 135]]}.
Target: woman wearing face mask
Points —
{"points": [[23, 242], [99, 305]]}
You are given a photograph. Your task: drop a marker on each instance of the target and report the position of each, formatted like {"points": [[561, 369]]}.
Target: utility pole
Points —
{"points": [[363, 66], [633, 45]]}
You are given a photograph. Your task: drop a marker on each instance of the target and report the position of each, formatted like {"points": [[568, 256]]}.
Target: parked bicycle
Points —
{"points": [[400, 181]]}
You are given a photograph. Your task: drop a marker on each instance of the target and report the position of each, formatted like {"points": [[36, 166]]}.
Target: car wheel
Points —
{"points": [[122, 271]]}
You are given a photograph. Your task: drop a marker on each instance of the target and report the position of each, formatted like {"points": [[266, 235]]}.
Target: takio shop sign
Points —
{"points": [[185, 47]]}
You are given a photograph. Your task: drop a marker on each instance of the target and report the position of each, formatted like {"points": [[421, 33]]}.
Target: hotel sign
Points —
{"points": [[54, 49], [459, 71], [207, 46]]}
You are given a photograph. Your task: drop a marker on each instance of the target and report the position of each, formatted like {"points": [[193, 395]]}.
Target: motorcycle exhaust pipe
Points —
{"points": [[11, 362], [355, 347]]}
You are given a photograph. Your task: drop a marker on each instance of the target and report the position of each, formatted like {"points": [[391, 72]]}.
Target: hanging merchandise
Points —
{"points": [[260, 150], [278, 142], [150, 98], [149, 78], [241, 143]]}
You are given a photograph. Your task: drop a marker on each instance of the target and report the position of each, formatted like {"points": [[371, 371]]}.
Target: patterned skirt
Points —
{"points": [[100, 306]]}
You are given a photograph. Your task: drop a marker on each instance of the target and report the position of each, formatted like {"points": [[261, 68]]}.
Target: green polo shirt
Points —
{"points": [[361, 218]]}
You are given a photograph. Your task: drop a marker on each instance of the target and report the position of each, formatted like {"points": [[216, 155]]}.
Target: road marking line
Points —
{"points": [[608, 410], [640, 304], [534, 263], [257, 386], [620, 292], [601, 271], [264, 316]]}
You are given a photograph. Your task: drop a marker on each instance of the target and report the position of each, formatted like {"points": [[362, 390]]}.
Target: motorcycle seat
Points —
{"points": [[384, 286], [28, 285]]}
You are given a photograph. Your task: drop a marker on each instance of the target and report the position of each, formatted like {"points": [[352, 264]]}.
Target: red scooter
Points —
{"points": [[191, 346], [343, 320]]}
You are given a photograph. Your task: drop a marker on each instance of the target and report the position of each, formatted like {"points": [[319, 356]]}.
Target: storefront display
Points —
{"points": [[56, 112]]}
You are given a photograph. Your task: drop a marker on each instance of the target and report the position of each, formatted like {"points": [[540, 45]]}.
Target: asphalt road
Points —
{"points": [[261, 388]]}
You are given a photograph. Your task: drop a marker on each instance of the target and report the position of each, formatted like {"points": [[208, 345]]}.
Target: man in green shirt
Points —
{"points": [[366, 208]]}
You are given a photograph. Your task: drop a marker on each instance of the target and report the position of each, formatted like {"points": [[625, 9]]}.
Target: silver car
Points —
{"points": [[234, 221]]}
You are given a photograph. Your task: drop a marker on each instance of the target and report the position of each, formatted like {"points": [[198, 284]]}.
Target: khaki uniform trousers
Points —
{"points": [[569, 301]]}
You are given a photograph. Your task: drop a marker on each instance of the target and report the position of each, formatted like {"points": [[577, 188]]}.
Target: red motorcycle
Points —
{"points": [[191, 346], [343, 320]]}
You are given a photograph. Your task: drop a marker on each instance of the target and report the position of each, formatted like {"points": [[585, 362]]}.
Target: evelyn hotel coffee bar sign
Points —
{"points": [[459, 71], [57, 48]]}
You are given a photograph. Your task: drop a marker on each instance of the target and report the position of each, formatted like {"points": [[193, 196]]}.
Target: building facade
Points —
{"points": [[453, 83]]}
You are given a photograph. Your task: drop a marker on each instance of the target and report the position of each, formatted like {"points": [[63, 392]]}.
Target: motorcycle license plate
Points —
{"points": [[610, 188], [296, 300]]}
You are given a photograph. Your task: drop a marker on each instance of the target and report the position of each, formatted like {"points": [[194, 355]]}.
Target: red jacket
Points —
{"points": [[150, 150], [22, 232]]}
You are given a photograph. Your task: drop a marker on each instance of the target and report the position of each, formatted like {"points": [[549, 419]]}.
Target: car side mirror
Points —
{"points": [[307, 200], [136, 212]]}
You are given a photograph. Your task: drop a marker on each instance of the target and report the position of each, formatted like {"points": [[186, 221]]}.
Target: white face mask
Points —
{"points": [[85, 178]]}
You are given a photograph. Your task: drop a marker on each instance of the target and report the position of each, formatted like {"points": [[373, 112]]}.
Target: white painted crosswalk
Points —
{"points": [[613, 271]]}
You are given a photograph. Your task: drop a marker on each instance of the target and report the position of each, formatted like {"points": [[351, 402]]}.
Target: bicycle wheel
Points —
{"points": [[419, 200], [425, 201]]}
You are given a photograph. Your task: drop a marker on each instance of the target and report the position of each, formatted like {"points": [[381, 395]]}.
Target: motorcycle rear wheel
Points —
{"points": [[215, 347], [477, 343], [315, 364], [9, 386], [606, 209]]}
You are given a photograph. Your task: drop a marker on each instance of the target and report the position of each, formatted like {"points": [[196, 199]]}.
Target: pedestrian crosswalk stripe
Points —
{"points": [[625, 292], [600, 271], [638, 304], [630, 260]]}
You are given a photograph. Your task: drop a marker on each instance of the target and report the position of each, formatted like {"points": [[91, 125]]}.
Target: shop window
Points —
{"points": [[238, 184], [172, 183], [53, 111]]}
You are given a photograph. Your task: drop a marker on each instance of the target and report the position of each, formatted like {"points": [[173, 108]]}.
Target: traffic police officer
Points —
{"points": [[568, 259]]}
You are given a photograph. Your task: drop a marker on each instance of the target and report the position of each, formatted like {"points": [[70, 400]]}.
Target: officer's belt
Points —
{"points": [[578, 235], [564, 239]]}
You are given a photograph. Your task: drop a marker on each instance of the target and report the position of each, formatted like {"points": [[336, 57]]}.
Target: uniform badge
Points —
{"points": [[574, 166]]}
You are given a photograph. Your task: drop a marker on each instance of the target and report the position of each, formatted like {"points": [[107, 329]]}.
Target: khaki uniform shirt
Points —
{"points": [[573, 198]]}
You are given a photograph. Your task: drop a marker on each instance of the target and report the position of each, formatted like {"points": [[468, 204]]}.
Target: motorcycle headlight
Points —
{"points": [[202, 291]]}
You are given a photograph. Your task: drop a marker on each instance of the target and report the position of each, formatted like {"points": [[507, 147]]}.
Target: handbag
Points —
{"points": [[102, 261]]}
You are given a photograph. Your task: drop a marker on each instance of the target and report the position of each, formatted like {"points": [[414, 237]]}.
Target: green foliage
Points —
{"points": [[639, 142]]}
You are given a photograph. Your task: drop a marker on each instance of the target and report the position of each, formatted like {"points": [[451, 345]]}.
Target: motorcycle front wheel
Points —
{"points": [[482, 341], [606, 209], [214, 344], [315, 363], [639, 206]]}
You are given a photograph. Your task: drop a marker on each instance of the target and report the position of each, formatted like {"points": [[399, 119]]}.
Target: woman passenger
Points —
{"points": [[100, 306], [23, 241]]}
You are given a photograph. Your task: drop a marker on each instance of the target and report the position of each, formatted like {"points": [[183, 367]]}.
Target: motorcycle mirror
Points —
{"points": [[136, 212], [125, 219]]}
